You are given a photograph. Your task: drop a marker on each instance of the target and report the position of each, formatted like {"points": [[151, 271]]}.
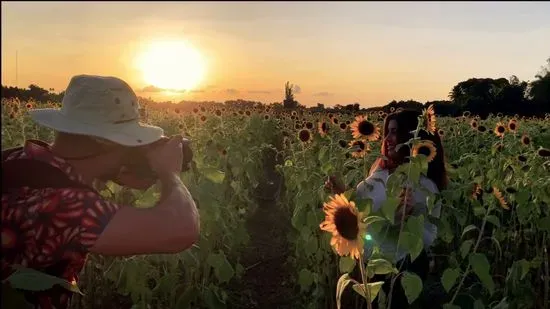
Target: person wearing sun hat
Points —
{"points": [[53, 215]]}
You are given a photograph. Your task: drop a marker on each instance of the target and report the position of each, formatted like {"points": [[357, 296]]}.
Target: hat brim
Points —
{"points": [[127, 134]]}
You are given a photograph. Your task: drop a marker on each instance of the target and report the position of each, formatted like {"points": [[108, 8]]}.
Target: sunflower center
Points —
{"points": [[500, 129], [360, 144], [346, 223], [304, 135], [365, 128], [342, 143], [324, 127], [425, 150]]}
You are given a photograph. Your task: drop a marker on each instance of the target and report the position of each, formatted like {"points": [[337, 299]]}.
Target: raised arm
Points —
{"points": [[171, 226]]}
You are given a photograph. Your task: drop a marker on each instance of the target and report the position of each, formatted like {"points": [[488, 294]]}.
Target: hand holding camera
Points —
{"points": [[146, 164]]}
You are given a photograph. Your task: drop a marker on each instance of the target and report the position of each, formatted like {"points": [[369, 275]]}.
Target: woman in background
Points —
{"points": [[397, 130]]}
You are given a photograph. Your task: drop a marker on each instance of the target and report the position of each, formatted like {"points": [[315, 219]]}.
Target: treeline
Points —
{"points": [[479, 96]]}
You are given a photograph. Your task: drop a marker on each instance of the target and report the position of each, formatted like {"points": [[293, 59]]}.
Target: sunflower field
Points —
{"points": [[493, 234]]}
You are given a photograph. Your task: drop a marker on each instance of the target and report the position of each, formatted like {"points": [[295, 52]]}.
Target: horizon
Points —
{"points": [[336, 53]]}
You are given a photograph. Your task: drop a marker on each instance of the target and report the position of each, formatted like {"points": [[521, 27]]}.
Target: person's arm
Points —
{"points": [[430, 229], [169, 227]]}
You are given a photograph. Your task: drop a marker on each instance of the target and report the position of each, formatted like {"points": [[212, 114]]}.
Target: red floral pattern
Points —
{"points": [[51, 229]]}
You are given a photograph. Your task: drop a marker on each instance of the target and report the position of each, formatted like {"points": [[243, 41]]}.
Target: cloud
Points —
{"points": [[259, 91], [297, 89], [198, 91], [231, 91], [323, 94], [152, 88]]}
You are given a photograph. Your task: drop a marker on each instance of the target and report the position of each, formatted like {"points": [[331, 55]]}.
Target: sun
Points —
{"points": [[172, 65]]}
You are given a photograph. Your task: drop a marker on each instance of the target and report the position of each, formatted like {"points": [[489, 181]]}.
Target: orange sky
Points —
{"points": [[363, 52]]}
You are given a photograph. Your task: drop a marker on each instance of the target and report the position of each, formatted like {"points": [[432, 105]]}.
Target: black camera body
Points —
{"points": [[138, 163]]}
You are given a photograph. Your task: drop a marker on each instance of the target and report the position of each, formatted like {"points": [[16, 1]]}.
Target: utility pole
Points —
{"points": [[16, 70]]}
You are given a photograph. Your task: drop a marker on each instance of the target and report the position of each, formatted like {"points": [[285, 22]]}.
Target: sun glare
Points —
{"points": [[172, 65]]}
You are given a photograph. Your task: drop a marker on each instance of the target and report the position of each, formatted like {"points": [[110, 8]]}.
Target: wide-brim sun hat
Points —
{"points": [[99, 106]]}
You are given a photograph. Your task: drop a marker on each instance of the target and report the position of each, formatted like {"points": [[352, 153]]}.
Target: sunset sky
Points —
{"points": [[336, 52]]}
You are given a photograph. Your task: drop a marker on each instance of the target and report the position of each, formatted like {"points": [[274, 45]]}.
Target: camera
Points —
{"points": [[138, 163]]}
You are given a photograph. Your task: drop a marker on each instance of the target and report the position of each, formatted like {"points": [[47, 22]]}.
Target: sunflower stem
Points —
{"points": [[365, 281]]}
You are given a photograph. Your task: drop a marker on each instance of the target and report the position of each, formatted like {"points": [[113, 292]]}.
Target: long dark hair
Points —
{"points": [[407, 121]]}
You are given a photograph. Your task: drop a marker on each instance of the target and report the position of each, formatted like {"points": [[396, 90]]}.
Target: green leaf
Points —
{"points": [[364, 206], [343, 281], [311, 246], [543, 224], [465, 248], [32, 280], [525, 266], [12, 298], [448, 279], [412, 286], [478, 304], [381, 267], [430, 202], [213, 174], [469, 228], [480, 266], [322, 154], [185, 299], [389, 206], [494, 220], [372, 219], [415, 225], [451, 306], [373, 289], [213, 300], [412, 243], [522, 197], [327, 168], [346, 264], [305, 279]]}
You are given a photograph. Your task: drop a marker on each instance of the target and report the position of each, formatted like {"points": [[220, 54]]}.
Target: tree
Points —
{"points": [[539, 90], [289, 101]]}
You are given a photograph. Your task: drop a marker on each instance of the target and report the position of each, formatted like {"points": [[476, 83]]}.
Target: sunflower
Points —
{"points": [[343, 221], [323, 128], [247, 113], [343, 126], [429, 119], [203, 118], [499, 129], [522, 158], [525, 140], [266, 117], [426, 148], [361, 127], [481, 129], [500, 198], [392, 109], [309, 125], [218, 112], [335, 120], [473, 124], [441, 132], [477, 192], [304, 135], [544, 152], [343, 143], [361, 148], [29, 106], [512, 125]]}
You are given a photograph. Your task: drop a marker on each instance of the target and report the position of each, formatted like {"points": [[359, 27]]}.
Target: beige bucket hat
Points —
{"points": [[100, 106]]}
